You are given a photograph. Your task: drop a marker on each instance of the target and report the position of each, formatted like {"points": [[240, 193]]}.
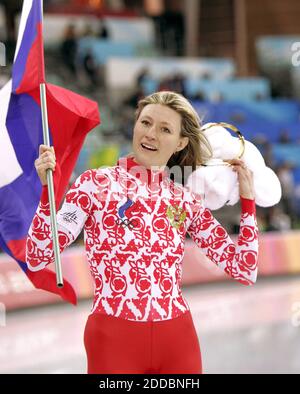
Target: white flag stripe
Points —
{"points": [[10, 168], [27, 4]]}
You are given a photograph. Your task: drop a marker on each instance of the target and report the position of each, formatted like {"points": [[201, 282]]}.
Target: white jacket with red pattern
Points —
{"points": [[135, 222]]}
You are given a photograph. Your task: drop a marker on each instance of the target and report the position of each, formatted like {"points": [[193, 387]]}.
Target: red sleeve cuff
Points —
{"points": [[44, 196], [248, 206]]}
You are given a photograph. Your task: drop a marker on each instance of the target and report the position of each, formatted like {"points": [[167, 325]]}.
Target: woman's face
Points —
{"points": [[158, 128]]}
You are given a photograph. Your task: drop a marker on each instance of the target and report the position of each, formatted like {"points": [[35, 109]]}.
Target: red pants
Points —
{"points": [[118, 346]]}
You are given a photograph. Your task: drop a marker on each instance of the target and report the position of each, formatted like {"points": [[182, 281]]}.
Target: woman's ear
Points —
{"points": [[183, 143]]}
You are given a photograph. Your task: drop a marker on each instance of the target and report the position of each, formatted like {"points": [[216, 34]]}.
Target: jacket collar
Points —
{"points": [[139, 171]]}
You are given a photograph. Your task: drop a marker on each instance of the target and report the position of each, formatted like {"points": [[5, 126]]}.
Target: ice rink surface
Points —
{"points": [[241, 330]]}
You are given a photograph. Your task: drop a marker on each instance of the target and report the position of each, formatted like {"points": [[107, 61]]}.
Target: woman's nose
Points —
{"points": [[151, 132]]}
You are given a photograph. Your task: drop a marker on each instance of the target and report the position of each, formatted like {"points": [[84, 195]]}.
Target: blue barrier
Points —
{"points": [[296, 173], [250, 121], [246, 89], [280, 110], [287, 152]]}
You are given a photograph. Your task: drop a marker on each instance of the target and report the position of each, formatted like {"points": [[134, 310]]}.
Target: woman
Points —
{"points": [[135, 219]]}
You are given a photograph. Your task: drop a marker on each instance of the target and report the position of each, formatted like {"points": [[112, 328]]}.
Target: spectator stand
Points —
{"points": [[274, 56]]}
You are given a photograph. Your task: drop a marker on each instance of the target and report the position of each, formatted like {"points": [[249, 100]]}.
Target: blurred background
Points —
{"points": [[237, 61]]}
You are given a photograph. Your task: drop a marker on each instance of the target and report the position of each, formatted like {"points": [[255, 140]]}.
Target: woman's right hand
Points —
{"points": [[45, 161]]}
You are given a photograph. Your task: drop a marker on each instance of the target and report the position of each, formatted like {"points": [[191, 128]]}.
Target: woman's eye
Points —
{"points": [[145, 122], [166, 130]]}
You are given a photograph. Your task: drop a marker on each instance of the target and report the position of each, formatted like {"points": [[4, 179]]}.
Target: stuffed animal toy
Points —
{"points": [[219, 184]]}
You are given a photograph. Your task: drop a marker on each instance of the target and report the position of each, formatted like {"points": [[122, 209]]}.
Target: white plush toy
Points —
{"points": [[216, 180]]}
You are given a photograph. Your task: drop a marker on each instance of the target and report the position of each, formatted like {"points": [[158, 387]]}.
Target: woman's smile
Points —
{"points": [[148, 147]]}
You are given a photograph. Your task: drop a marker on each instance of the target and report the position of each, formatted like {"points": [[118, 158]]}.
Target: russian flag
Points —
{"points": [[70, 118]]}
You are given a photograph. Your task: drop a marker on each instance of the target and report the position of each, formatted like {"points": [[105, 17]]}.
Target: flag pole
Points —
{"points": [[46, 137], [58, 269]]}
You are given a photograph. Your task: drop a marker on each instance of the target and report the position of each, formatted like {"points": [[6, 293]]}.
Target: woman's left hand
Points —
{"points": [[245, 177]]}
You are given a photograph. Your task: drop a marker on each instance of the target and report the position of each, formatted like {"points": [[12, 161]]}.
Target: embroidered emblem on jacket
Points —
{"points": [[123, 221], [70, 217], [176, 216]]}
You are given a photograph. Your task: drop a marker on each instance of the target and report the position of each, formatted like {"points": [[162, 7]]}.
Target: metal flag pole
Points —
{"points": [[58, 270], [46, 136]]}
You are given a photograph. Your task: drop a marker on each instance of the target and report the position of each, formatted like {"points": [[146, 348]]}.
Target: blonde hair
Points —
{"points": [[198, 150]]}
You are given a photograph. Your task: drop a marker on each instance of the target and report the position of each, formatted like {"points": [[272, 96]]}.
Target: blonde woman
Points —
{"points": [[135, 220]]}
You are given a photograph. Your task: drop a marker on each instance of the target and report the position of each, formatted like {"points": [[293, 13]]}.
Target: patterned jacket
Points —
{"points": [[135, 222]]}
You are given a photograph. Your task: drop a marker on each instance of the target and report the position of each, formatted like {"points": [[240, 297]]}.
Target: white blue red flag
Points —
{"points": [[70, 118]]}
